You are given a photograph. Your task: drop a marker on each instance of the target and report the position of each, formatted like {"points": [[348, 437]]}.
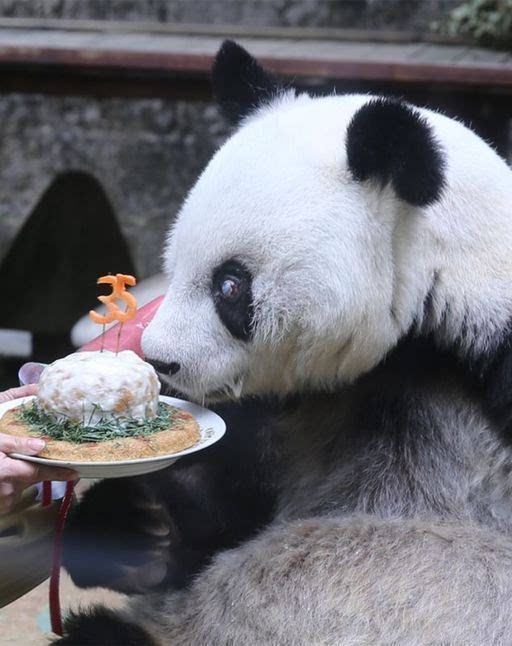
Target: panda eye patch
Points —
{"points": [[232, 295]]}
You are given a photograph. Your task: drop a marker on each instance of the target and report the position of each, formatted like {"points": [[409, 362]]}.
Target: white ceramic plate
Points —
{"points": [[211, 426]]}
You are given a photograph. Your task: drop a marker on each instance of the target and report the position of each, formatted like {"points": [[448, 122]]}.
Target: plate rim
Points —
{"points": [[203, 443]]}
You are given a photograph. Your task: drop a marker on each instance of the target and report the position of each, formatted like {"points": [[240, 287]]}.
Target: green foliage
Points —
{"points": [[487, 21], [110, 428]]}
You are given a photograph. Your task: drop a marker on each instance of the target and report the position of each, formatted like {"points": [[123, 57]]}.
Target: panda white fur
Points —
{"points": [[351, 258]]}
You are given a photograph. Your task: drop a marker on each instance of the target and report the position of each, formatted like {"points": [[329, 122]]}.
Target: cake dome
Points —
{"points": [[91, 387]]}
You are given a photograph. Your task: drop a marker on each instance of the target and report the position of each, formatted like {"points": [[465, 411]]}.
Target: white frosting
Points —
{"points": [[88, 387]]}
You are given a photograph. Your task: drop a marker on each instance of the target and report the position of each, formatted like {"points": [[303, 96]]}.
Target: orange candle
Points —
{"points": [[118, 283]]}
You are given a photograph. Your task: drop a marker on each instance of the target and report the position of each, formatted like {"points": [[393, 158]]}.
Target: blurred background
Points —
{"points": [[106, 120]]}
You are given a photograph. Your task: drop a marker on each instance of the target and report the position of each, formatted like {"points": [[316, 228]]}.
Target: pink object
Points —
{"points": [[131, 333], [47, 493]]}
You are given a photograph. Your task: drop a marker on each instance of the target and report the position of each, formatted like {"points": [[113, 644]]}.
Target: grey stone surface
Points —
{"points": [[364, 14], [145, 152]]}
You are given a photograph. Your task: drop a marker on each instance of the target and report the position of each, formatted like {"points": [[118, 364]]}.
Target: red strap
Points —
{"points": [[55, 616], [47, 494]]}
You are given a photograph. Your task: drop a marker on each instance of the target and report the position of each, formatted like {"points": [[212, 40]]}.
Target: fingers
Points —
{"points": [[26, 473], [14, 393], [17, 475], [25, 445], [9, 496], [42, 473], [29, 374]]}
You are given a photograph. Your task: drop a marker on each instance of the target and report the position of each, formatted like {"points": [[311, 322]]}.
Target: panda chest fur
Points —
{"points": [[395, 446]]}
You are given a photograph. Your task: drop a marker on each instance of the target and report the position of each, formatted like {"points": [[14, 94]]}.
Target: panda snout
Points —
{"points": [[165, 368], [174, 367]]}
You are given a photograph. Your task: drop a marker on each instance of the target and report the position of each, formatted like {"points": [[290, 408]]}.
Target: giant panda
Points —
{"points": [[343, 263]]}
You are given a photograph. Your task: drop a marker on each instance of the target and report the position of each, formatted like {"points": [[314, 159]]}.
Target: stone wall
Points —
{"points": [[146, 153], [363, 14]]}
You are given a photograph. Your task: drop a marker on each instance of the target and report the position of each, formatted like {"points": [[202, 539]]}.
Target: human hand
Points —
{"points": [[15, 393], [17, 475], [28, 374]]}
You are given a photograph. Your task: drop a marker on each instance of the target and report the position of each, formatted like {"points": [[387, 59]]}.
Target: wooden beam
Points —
{"points": [[140, 55]]}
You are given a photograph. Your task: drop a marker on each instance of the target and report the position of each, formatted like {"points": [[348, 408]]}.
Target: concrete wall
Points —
{"points": [[363, 14], [145, 152]]}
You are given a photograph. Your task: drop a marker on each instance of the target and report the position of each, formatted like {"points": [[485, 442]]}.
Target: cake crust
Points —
{"points": [[183, 432]]}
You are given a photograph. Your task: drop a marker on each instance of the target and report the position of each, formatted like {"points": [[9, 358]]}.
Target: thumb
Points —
{"points": [[15, 393], [25, 445]]}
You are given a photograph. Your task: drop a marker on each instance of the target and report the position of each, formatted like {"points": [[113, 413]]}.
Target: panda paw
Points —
{"points": [[99, 626], [119, 537]]}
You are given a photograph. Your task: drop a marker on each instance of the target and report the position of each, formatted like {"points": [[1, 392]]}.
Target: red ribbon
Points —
{"points": [[47, 494], [55, 614]]}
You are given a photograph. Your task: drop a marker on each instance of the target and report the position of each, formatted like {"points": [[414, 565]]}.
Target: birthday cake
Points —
{"points": [[102, 406], [93, 387]]}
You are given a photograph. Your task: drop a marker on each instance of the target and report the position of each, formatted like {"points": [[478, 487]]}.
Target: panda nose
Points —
{"points": [[165, 368]]}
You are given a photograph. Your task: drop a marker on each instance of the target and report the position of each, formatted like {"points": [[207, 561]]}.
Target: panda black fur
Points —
{"points": [[374, 239]]}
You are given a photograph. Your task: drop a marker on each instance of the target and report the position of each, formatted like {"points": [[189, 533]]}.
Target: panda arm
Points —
{"points": [[132, 534]]}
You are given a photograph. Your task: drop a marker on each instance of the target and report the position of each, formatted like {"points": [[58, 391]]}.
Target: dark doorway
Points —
{"points": [[48, 278]]}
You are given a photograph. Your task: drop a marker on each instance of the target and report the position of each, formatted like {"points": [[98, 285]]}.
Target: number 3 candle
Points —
{"points": [[118, 284]]}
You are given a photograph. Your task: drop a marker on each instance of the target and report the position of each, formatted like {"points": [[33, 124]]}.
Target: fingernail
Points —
{"points": [[36, 445]]}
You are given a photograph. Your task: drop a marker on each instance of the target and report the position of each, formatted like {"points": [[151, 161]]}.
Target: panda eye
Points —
{"points": [[230, 288], [232, 296]]}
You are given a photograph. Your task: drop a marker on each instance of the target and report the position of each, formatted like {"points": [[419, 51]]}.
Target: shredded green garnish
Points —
{"points": [[110, 428]]}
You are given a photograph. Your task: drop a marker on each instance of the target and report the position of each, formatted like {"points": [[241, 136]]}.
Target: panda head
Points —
{"points": [[322, 232]]}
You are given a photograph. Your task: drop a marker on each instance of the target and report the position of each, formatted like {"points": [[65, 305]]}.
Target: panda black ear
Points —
{"points": [[240, 84], [391, 141]]}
